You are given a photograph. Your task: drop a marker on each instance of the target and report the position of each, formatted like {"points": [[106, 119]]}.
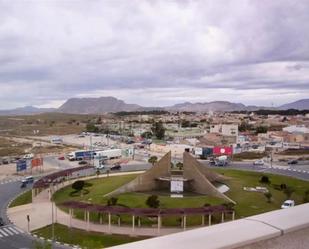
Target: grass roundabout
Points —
{"points": [[248, 203]]}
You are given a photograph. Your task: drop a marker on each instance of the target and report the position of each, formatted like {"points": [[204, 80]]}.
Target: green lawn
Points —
{"points": [[248, 203], [23, 199], [251, 203], [82, 238]]}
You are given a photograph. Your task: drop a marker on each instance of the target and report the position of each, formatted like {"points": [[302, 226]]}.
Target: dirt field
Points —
{"points": [[43, 124]]}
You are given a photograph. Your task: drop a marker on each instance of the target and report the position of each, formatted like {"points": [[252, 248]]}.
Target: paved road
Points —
{"points": [[12, 237], [293, 171]]}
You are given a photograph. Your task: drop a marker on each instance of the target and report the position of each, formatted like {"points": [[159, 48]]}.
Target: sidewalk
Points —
{"points": [[40, 212]]}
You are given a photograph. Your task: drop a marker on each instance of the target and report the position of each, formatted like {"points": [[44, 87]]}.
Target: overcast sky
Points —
{"points": [[154, 53]]}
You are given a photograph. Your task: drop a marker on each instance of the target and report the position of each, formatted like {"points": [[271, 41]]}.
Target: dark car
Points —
{"points": [[23, 184], [1, 222], [5, 161], [116, 167], [82, 162], [293, 162], [61, 158]]}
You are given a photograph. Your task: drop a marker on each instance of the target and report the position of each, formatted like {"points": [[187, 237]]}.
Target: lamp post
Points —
{"points": [[53, 224], [52, 213]]}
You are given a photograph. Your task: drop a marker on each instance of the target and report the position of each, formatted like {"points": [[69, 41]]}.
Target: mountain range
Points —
{"points": [[110, 104]]}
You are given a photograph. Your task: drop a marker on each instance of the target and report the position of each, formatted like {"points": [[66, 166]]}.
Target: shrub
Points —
{"points": [[153, 201], [78, 185], [264, 179], [229, 205]]}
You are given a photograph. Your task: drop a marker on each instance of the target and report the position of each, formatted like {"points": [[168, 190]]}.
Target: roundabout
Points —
{"points": [[59, 186], [185, 212]]}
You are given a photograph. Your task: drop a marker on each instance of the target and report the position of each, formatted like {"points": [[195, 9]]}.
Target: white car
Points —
{"points": [[28, 156], [102, 166], [288, 204], [258, 162]]}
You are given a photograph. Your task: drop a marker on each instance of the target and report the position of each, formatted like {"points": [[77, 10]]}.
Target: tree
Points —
{"points": [[153, 160], [245, 126], [146, 135], [90, 127], [185, 123], [261, 129], [288, 191], [264, 179], [112, 201], [78, 185], [98, 172], [268, 195], [153, 201], [158, 129]]}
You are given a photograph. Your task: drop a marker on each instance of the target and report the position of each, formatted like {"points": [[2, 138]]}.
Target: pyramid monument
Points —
{"points": [[195, 177]]}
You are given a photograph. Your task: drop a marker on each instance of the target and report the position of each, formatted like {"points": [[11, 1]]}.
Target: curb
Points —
{"points": [[10, 202], [54, 242]]}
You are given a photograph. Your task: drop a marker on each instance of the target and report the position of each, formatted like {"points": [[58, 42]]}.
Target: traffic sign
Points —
{"points": [[21, 165]]}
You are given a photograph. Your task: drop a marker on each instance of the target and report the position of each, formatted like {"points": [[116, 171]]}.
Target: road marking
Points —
{"points": [[13, 230], [17, 228], [4, 233], [8, 231]]}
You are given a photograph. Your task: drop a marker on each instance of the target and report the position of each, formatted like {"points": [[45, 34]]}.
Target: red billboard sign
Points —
{"points": [[36, 162], [222, 150]]}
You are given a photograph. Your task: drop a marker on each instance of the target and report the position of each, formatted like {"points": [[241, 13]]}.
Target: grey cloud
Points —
{"points": [[60, 49]]}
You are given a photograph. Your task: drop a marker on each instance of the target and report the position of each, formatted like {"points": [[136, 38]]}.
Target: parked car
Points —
{"points": [[293, 162], [5, 161], [61, 158], [258, 162], [116, 167], [23, 184], [28, 156], [288, 204], [82, 163], [1, 222]]}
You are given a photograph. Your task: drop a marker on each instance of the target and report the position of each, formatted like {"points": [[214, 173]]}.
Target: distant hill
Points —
{"points": [[302, 104], [27, 110], [112, 105], [96, 105], [211, 106]]}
